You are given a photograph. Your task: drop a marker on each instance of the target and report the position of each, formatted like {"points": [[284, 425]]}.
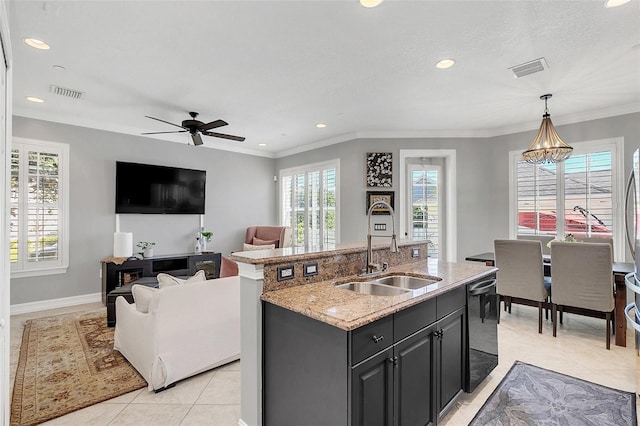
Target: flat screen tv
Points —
{"points": [[150, 189]]}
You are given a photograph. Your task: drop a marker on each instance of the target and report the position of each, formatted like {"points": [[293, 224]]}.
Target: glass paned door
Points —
{"points": [[426, 203]]}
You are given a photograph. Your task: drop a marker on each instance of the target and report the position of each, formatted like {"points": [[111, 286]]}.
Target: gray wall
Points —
{"points": [[482, 191], [240, 192], [482, 175]]}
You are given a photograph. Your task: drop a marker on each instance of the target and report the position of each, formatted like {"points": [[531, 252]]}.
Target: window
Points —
{"points": [[38, 227], [426, 193], [577, 196], [309, 203]]}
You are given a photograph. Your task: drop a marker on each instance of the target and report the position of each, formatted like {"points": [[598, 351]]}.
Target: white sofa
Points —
{"points": [[189, 328]]}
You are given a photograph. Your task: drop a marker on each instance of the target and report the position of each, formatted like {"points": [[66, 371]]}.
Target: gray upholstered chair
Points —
{"points": [[544, 239], [521, 274], [599, 240], [583, 279]]}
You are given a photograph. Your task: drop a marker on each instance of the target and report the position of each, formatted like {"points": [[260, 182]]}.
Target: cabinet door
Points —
{"points": [[415, 378], [372, 391], [451, 357]]}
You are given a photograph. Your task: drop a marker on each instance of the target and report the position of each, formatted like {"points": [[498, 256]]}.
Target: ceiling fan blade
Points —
{"points": [[158, 133], [223, 136], [213, 125], [197, 140], [163, 121]]}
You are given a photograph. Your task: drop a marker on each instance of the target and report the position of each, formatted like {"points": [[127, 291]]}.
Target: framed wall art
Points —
{"points": [[386, 196], [379, 169]]}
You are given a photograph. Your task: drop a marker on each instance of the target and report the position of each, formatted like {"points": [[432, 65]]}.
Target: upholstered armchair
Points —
{"points": [[280, 236]]}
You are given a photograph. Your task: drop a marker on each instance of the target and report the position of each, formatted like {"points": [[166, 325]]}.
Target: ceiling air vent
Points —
{"points": [[70, 93], [530, 67]]}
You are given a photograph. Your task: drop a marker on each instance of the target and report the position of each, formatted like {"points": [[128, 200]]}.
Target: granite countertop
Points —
{"points": [[257, 257], [349, 310]]}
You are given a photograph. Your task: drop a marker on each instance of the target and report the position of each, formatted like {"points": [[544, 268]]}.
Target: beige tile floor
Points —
{"points": [[213, 398]]}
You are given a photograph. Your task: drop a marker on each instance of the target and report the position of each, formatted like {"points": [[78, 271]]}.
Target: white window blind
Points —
{"points": [[577, 196], [38, 208], [309, 203]]}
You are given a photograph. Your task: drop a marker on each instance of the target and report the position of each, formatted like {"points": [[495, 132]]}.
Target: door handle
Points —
{"points": [[630, 320], [377, 339], [630, 183]]}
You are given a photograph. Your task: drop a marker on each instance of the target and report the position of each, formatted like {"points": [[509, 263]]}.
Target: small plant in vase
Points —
{"points": [[146, 247], [206, 238]]}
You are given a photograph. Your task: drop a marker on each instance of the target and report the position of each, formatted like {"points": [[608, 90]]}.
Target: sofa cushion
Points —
{"points": [[142, 296], [258, 242], [250, 247], [166, 280]]}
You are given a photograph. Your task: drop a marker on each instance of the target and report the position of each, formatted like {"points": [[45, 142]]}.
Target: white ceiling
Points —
{"points": [[273, 69]]}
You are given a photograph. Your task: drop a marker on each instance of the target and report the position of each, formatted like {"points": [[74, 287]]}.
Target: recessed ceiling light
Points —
{"points": [[34, 99], [59, 68], [262, 144], [38, 44], [321, 125], [615, 3], [445, 63], [370, 3]]}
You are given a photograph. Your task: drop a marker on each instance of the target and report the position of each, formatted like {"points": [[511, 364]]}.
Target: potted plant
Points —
{"points": [[146, 247], [206, 237]]}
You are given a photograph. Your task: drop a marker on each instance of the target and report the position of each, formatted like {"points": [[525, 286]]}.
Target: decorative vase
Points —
{"points": [[203, 244], [148, 252]]}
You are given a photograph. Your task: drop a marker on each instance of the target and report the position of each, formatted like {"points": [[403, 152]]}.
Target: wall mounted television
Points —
{"points": [[151, 189]]}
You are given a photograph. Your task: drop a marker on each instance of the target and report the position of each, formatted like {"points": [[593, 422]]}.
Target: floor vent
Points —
{"points": [[530, 67], [70, 93]]}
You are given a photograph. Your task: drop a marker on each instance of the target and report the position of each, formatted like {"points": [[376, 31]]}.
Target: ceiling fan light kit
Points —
{"points": [[197, 128], [547, 147]]}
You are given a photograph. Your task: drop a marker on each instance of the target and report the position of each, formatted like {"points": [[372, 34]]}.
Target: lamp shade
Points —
{"points": [[547, 147]]}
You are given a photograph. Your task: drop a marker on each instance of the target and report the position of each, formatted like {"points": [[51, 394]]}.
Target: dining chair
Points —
{"points": [[582, 279], [520, 276], [599, 240]]}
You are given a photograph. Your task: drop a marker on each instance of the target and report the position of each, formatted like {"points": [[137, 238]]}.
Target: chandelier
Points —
{"points": [[547, 147]]}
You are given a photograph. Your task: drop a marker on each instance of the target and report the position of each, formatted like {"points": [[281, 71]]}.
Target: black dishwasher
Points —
{"points": [[483, 313]]}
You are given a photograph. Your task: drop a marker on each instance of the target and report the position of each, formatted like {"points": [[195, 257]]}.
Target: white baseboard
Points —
{"points": [[24, 308]]}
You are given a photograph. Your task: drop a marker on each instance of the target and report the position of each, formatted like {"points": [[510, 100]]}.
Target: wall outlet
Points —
{"points": [[285, 272], [415, 252], [310, 269]]}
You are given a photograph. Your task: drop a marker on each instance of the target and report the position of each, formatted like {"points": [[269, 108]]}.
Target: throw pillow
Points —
{"points": [[259, 242], [166, 280], [249, 247], [142, 296]]}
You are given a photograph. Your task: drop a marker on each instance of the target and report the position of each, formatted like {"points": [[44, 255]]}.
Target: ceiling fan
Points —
{"points": [[196, 128]]}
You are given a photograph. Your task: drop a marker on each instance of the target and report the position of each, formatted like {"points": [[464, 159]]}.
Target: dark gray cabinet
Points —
{"points": [[403, 370], [451, 358], [373, 390], [415, 378]]}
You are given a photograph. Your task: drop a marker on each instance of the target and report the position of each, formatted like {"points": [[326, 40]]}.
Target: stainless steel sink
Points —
{"points": [[406, 282], [373, 289]]}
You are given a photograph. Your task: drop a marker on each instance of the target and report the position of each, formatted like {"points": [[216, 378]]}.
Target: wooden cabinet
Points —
{"points": [[113, 275], [402, 370]]}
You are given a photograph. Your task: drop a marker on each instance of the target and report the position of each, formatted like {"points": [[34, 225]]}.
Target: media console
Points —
{"points": [[117, 279]]}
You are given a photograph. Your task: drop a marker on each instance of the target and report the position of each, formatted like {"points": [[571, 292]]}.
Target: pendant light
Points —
{"points": [[547, 147]]}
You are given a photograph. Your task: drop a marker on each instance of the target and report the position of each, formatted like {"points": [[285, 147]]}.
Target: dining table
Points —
{"points": [[618, 269]]}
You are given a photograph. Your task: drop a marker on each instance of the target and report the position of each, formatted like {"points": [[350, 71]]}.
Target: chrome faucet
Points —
{"points": [[371, 267]]}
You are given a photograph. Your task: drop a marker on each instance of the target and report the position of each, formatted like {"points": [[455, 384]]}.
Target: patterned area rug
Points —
{"points": [[530, 395], [66, 363]]}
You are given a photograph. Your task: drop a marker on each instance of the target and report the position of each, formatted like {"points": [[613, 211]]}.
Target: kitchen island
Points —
{"points": [[320, 342]]}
